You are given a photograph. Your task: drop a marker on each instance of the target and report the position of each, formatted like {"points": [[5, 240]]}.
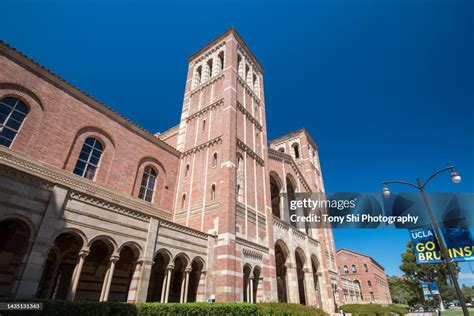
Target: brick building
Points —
{"points": [[367, 274], [93, 207]]}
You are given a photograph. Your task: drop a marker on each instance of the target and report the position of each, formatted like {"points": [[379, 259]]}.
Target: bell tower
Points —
{"points": [[223, 188]]}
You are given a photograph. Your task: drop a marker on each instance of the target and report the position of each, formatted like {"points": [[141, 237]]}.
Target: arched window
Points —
{"points": [[281, 149], [203, 125], [183, 201], [209, 67], [88, 161], [240, 179], [354, 269], [221, 60], [369, 283], [12, 114], [213, 192], [296, 149], [147, 188], [186, 171], [198, 75], [346, 269], [366, 268], [214, 160], [240, 66]]}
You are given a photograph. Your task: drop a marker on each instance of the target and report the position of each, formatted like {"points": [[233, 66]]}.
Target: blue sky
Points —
{"points": [[386, 88]]}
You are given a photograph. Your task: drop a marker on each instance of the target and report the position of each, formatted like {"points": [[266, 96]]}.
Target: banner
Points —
{"points": [[434, 288], [458, 242], [425, 287]]}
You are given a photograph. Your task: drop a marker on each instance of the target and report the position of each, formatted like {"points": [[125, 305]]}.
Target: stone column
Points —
{"points": [[311, 298], [76, 275], [292, 283], [186, 284], [169, 270], [250, 297], [148, 256], [51, 284], [104, 296], [201, 288], [216, 67], [132, 291], [34, 265], [284, 210]]}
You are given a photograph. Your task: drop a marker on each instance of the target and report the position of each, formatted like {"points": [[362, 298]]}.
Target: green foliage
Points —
{"points": [[403, 290], [374, 309], [83, 308], [426, 273], [468, 293]]}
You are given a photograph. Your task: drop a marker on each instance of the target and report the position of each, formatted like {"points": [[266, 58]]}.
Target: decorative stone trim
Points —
{"points": [[205, 110], [313, 241], [249, 116], [250, 152], [55, 175], [26, 178], [280, 224], [107, 205], [202, 146], [183, 229], [251, 245], [248, 89], [207, 83], [279, 156], [208, 54], [298, 234], [252, 254]]}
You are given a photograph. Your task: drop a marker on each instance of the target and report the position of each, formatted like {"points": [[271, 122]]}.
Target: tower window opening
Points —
{"points": [[221, 59], [209, 65]]}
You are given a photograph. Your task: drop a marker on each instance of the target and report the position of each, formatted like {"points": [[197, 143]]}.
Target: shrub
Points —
{"points": [[374, 309], [88, 308]]}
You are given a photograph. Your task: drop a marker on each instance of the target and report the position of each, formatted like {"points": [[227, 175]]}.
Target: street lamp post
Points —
{"points": [[456, 178]]}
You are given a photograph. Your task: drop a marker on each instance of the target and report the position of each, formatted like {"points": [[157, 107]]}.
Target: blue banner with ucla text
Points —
{"points": [[458, 241]]}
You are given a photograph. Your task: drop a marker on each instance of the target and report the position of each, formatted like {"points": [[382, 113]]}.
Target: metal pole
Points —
{"points": [[443, 249]]}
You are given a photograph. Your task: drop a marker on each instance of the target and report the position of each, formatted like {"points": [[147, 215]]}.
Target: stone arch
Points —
{"points": [[134, 246], [26, 220], [196, 281], [60, 264], [247, 271], [73, 231], [291, 187], [276, 186], [315, 266], [300, 263], [125, 268], [109, 241], [176, 287], [282, 259], [95, 271], [158, 275], [256, 286], [15, 243]]}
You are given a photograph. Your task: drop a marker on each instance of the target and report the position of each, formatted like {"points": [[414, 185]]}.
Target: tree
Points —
{"points": [[403, 290], [427, 273]]}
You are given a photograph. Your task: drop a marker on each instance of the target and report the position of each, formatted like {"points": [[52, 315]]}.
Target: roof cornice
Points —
{"points": [[239, 38], [54, 79]]}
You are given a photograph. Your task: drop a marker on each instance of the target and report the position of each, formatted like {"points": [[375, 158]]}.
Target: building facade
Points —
{"points": [[362, 274], [93, 207]]}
